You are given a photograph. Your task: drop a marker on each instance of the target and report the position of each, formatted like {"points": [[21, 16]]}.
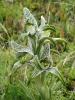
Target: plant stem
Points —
{"points": [[42, 87]]}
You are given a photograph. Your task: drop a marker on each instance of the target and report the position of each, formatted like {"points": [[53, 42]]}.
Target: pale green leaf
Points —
{"points": [[29, 43], [60, 40], [43, 21], [46, 51], [24, 35], [30, 17], [36, 62], [41, 42], [17, 64], [36, 72], [56, 72], [32, 39], [20, 48]]}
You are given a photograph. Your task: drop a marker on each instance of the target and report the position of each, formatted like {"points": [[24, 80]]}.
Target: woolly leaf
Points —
{"points": [[56, 72], [17, 64], [35, 61], [43, 21], [36, 72], [20, 48], [46, 51], [41, 42], [30, 17]]}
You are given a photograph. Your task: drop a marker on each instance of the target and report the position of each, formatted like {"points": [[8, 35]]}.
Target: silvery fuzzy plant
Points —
{"points": [[36, 52]]}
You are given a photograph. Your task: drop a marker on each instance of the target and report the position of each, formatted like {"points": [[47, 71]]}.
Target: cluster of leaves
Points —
{"points": [[36, 53]]}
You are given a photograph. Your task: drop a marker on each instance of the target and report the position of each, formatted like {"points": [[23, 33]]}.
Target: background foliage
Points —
{"points": [[58, 13]]}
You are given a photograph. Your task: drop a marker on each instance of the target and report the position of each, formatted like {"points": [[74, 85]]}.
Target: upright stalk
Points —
{"points": [[42, 87]]}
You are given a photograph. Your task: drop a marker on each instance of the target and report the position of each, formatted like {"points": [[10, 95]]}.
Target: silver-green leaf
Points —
{"points": [[20, 48], [46, 51], [30, 17], [36, 72], [56, 72]]}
